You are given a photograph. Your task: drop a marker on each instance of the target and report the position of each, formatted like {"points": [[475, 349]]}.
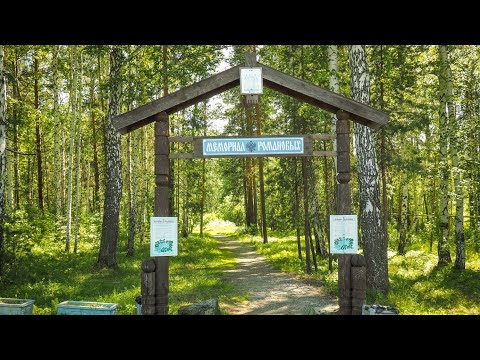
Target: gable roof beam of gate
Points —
{"points": [[178, 100]]}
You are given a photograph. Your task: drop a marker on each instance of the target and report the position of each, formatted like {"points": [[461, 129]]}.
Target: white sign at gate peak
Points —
{"points": [[251, 81], [163, 236], [343, 234]]}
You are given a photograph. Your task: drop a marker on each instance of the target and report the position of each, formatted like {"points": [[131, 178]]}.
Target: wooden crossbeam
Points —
{"points": [[325, 99], [178, 100]]}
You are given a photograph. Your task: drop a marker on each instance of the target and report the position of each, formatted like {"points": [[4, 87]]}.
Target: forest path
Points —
{"points": [[271, 291]]}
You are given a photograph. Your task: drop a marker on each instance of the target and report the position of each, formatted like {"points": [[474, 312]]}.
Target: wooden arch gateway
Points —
{"points": [[155, 276]]}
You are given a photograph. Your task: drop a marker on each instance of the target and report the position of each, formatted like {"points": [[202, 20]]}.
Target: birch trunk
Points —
{"points": [[16, 159], [78, 197], [332, 51], [38, 134], [3, 143], [57, 133], [107, 256], [133, 184], [403, 219], [460, 256], [443, 247], [96, 170], [72, 148], [373, 233]]}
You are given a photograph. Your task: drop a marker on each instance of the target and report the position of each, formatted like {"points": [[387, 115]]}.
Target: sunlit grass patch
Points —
{"points": [[418, 285], [49, 275]]}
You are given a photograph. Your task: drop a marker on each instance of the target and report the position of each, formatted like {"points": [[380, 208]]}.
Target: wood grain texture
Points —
{"points": [[344, 206], [162, 193], [148, 287], [358, 282]]}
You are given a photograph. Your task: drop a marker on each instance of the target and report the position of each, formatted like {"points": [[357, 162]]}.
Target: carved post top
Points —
{"points": [[342, 115], [250, 59], [358, 260], [148, 265], [161, 124]]}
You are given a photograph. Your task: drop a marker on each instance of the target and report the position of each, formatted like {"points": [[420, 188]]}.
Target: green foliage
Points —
{"points": [[48, 275], [418, 286]]}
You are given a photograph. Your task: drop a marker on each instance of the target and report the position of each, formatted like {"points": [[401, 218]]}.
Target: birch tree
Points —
{"points": [[73, 122], [107, 256], [3, 143], [57, 132], [78, 198], [457, 173], [403, 216], [38, 134], [373, 233], [332, 51], [133, 190], [443, 248]]}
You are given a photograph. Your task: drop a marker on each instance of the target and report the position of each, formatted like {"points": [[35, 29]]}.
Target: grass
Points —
{"points": [[418, 285], [49, 275]]}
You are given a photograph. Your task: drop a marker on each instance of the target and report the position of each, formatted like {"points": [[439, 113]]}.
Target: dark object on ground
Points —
{"points": [[379, 310], [207, 307]]}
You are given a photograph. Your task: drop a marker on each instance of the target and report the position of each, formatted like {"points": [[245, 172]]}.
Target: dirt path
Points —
{"points": [[272, 292]]}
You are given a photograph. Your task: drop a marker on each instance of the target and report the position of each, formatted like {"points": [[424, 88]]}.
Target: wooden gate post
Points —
{"points": [[344, 207], [162, 175], [148, 287], [359, 283]]}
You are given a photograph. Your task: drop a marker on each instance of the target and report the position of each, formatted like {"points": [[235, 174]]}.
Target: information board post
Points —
{"points": [[162, 175], [344, 206]]}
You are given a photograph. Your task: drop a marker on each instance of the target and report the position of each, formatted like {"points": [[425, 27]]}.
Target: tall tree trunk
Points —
{"points": [[185, 206], [38, 135], [443, 247], [403, 217], [260, 178], [373, 233], [9, 205], [382, 153], [72, 147], [133, 184], [96, 170], [306, 217], [250, 173], [113, 167], [328, 201], [3, 159], [63, 169], [332, 51], [16, 158], [144, 201], [172, 187], [202, 206], [78, 197], [57, 134], [296, 207], [460, 256]]}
